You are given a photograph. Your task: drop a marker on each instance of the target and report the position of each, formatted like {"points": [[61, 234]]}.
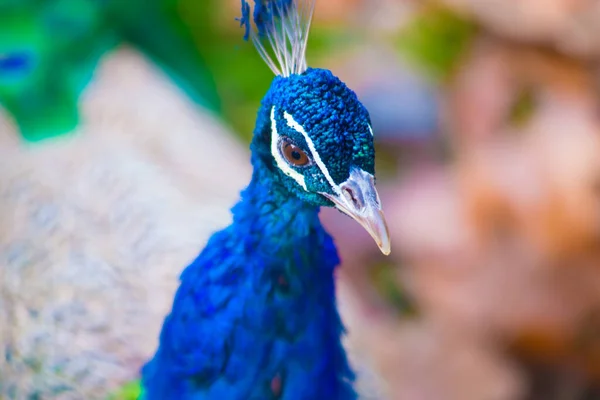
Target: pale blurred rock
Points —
{"points": [[96, 228]]}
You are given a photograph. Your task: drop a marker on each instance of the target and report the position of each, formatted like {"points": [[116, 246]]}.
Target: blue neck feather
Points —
{"points": [[255, 316]]}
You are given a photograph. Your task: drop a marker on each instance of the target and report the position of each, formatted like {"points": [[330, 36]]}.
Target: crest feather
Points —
{"points": [[279, 30]]}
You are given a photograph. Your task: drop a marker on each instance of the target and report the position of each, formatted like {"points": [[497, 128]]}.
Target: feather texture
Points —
{"points": [[279, 29]]}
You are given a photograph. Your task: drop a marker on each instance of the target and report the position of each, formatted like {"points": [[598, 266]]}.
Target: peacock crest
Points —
{"points": [[279, 29]]}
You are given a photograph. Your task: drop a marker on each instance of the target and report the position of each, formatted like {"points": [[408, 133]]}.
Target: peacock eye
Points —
{"points": [[294, 154], [12, 62]]}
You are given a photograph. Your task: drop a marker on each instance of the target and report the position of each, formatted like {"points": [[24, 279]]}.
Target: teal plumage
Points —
{"points": [[255, 316]]}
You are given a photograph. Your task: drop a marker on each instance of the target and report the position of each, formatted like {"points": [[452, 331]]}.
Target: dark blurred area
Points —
{"points": [[488, 142]]}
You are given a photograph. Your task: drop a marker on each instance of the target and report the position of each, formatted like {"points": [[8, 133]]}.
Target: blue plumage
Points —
{"points": [[256, 304], [14, 62], [255, 316], [266, 14]]}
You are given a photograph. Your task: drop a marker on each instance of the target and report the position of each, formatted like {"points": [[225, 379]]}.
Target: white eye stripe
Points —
{"points": [[281, 163], [371, 130], [311, 146]]}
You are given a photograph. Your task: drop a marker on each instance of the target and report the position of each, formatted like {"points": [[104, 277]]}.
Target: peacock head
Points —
{"points": [[312, 130]]}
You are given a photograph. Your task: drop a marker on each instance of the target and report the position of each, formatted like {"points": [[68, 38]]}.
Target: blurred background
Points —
{"points": [[124, 135]]}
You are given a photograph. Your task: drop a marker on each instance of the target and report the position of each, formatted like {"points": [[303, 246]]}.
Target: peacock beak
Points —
{"points": [[358, 198]]}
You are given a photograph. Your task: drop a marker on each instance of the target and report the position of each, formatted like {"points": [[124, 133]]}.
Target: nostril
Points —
{"points": [[348, 193], [351, 197]]}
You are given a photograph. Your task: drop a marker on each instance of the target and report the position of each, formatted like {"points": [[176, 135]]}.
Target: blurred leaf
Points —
{"points": [[129, 391], [436, 39], [387, 161], [325, 40], [523, 107], [156, 27], [386, 283]]}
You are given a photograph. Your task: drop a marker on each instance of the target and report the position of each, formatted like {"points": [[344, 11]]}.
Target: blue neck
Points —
{"points": [[295, 258]]}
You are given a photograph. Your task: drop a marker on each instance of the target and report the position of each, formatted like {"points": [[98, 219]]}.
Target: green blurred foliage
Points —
{"points": [[156, 28], [129, 391], [436, 39], [385, 281], [523, 107]]}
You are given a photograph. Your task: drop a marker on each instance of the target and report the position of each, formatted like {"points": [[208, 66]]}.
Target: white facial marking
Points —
{"points": [[281, 163], [370, 130], [311, 146]]}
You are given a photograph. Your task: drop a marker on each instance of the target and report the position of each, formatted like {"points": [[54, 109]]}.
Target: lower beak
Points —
{"points": [[358, 198]]}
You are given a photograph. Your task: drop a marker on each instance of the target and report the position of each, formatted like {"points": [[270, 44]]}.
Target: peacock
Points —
{"points": [[255, 315]]}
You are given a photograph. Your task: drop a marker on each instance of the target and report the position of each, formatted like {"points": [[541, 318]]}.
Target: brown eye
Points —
{"points": [[294, 154]]}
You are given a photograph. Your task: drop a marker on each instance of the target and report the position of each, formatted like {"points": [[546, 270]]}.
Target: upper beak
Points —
{"points": [[359, 199]]}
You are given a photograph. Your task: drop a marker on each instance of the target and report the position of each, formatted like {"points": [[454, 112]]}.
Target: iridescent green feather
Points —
{"points": [[50, 49], [59, 44]]}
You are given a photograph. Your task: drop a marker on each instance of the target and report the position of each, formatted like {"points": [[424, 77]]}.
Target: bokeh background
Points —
{"points": [[124, 137]]}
